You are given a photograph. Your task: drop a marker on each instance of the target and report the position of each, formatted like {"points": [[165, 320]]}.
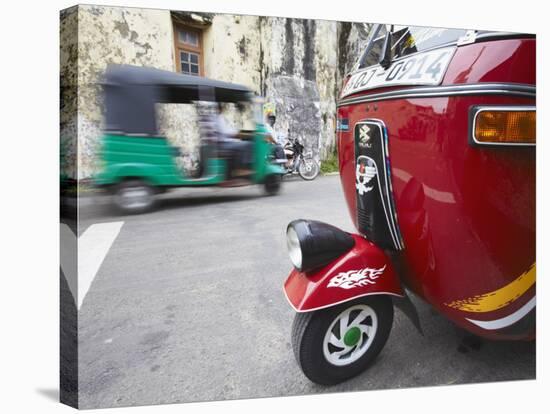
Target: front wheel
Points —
{"points": [[335, 344], [133, 197], [308, 169]]}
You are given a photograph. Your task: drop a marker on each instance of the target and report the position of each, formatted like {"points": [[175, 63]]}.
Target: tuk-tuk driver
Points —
{"points": [[241, 151]]}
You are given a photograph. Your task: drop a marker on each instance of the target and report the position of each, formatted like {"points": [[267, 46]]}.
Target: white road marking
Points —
{"points": [[68, 253], [93, 246]]}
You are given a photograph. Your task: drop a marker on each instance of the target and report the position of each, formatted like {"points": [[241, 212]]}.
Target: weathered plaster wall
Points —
{"points": [[68, 37], [301, 79], [116, 35], [232, 53], [294, 63], [231, 49], [299, 73], [326, 70]]}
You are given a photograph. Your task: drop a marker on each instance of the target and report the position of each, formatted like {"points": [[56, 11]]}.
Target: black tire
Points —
{"points": [[272, 184], [308, 335], [311, 174], [133, 197]]}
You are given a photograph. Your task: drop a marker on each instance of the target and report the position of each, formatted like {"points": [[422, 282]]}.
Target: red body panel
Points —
{"points": [[466, 214], [342, 279], [511, 60]]}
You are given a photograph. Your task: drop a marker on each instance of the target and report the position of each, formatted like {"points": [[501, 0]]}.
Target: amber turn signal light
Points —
{"points": [[504, 126]]}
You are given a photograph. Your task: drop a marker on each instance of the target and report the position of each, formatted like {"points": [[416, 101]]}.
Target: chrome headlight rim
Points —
{"points": [[294, 247], [312, 244]]}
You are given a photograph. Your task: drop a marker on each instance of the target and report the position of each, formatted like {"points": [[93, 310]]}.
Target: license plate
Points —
{"points": [[425, 68]]}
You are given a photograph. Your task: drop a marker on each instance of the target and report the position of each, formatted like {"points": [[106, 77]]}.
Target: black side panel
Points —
{"points": [[375, 208]]}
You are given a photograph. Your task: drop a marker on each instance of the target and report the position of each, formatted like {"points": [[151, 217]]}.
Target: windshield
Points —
{"points": [[406, 41]]}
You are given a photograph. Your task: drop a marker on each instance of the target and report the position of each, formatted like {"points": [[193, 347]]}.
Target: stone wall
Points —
{"points": [[294, 63], [291, 62], [68, 61], [300, 75]]}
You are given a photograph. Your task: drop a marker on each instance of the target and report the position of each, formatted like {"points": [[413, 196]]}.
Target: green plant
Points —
{"points": [[330, 164]]}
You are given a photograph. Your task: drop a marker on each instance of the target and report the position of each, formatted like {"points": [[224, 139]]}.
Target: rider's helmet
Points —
{"points": [[269, 113], [270, 117]]}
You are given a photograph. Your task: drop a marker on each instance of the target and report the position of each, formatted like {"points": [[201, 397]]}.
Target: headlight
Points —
{"points": [[312, 244], [294, 249]]}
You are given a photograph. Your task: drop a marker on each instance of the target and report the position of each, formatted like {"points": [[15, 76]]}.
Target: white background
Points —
{"points": [[29, 269]]}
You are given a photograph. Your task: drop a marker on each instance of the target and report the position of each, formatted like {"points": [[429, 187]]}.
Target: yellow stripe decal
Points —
{"points": [[499, 298]]}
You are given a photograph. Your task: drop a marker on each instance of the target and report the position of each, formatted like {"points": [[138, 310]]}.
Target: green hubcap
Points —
{"points": [[352, 336]]}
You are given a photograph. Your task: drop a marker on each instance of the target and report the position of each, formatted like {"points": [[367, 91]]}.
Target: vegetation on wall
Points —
{"points": [[330, 164]]}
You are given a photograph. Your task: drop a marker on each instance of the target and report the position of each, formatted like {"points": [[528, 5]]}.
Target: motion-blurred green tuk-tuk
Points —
{"points": [[137, 162]]}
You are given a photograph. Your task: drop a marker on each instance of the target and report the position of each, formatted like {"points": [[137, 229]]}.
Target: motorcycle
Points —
{"points": [[299, 161]]}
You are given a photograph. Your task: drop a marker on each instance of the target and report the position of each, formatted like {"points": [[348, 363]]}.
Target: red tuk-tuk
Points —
{"points": [[436, 142]]}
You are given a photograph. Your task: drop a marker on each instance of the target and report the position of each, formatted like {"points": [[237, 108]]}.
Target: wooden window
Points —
{"points": [[188, 48]]}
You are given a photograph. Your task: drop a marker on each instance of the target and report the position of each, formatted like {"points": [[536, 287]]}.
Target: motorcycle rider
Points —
{"points": [[277, 139]]}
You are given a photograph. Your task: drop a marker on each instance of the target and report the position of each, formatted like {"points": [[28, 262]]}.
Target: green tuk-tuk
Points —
{"points": [[137, 162]]}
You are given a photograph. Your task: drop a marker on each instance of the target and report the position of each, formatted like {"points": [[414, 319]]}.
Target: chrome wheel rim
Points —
{"points": [[350, 335], [308, 168]]}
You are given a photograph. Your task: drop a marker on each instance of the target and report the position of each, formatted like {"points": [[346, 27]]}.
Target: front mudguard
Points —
{"points": [[364, 270]]}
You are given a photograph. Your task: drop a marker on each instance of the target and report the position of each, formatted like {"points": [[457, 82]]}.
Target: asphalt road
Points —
{"points": [[188, 306]]}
